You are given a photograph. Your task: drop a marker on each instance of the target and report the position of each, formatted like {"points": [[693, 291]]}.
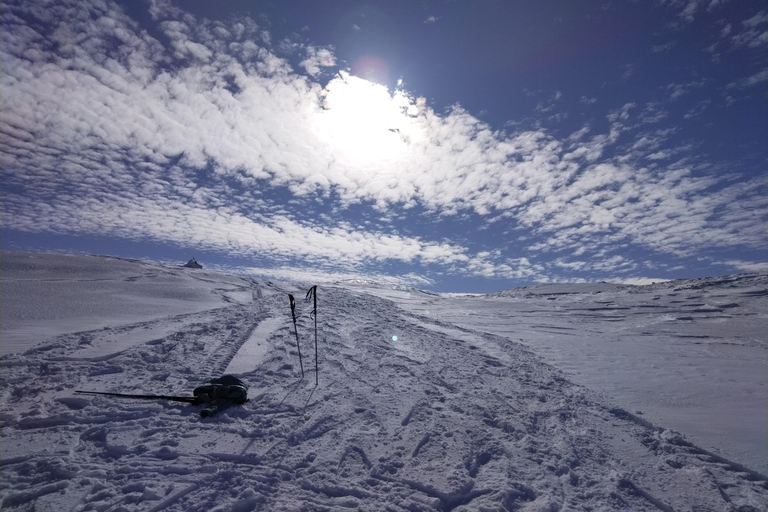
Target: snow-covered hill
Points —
{"points": [[423, 403]]}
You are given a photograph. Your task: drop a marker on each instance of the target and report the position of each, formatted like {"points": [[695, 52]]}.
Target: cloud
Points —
{"points": [[713, 4], [319, 276], [760, 76], [740, 35], [678, 90], [212, 139], [317, 58], [750, 34], [652, 113], [150, 216], [486, 264], [748, 266], [698, 109], [663, 47], [621, 114], [688, 10]]}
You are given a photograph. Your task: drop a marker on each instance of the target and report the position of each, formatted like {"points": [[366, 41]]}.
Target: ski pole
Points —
{"points": [[313, 292], [296, 330], [187, 399]]}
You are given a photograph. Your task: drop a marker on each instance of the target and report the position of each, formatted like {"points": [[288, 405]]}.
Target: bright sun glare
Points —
{"points": [[363, 122]]}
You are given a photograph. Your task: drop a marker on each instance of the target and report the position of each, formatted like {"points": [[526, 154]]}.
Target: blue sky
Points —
{"points": [[451, 145]]}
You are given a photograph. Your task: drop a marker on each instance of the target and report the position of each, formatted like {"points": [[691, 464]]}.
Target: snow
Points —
{"points": [[45, 295], [253, 352], [700, 370], [690, 355], [554, 397]]}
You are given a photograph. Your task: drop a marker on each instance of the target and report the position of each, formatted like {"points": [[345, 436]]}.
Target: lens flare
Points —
{"points": [[371, 68]]}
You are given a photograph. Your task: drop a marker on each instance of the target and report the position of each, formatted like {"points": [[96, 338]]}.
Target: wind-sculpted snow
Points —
{"points": [[445, 418]]}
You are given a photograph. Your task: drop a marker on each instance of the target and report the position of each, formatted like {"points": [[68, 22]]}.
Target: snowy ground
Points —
{"points": [[467, 410], [689, 355]]}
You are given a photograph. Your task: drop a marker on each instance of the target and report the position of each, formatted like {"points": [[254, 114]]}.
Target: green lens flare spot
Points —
{"points": [[394, 338]]}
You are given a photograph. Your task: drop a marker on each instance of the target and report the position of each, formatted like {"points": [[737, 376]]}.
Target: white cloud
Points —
{"points": [[663, 47], [698, 109], [278, 237], [320, 276], [179, 33], [621, 114], [317, 58], [713, 4], [750, 33], [678, 90], [688, 10], [652, 113], [186, 144], [760, 76], [489, 264], [756, 20], [746, 35], [747, 266], [660, 155]]}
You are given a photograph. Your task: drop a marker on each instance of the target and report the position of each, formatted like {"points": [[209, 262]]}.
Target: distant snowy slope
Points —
{"points": [[412, 413], [44, 294], [559, 289]]}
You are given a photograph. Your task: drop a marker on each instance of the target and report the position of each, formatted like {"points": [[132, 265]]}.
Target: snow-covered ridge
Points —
{"points": [[372, 284], [559, 289], [754, 278], [449, 417]]}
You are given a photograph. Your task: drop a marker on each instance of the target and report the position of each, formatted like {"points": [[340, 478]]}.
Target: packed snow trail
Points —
{"points": [[445, 418]]}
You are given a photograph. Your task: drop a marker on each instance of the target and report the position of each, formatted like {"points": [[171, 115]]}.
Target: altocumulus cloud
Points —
{"points": [[210, 138]]}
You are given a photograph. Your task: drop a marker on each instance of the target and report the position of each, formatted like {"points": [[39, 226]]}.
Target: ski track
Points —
{"points": [[445, 418]]}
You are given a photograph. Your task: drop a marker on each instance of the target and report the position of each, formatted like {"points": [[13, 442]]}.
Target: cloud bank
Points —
{"points": [[208, 135]]}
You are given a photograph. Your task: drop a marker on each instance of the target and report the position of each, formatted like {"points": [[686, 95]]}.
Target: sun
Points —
{"points": [[362, 122]]}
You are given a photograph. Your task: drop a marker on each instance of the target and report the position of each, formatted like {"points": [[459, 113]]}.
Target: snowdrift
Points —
{"points": [[446, 418]]}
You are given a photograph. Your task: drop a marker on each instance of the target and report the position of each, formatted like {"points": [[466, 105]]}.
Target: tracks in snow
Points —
{"points": [[443, 419], [229, 348]]}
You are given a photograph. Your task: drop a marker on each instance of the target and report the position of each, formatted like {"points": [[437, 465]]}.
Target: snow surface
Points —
{"points": [[44, 295], [690, 355], [525, 400]]}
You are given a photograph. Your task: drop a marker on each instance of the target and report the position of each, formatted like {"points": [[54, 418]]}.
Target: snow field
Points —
{"points": [[44, 295], [690, 355], [446, 418]]}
